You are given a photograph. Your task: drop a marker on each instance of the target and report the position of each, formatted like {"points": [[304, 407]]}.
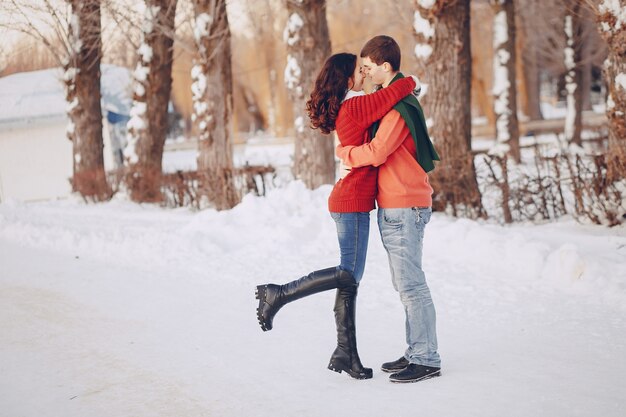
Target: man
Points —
{"points": [[403, 151]]}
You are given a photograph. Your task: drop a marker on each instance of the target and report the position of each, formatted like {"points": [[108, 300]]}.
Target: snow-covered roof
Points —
{"points": [[40, 95]]}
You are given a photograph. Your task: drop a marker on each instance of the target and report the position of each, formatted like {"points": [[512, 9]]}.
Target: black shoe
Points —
{"points": [[415, 373], [395, 366]]}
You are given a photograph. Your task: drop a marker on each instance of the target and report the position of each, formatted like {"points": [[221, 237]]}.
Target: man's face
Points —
{"points": [[373, 71]]}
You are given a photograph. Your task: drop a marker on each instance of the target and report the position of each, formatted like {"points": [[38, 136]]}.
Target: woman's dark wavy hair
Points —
{"points": [[330, 89]]}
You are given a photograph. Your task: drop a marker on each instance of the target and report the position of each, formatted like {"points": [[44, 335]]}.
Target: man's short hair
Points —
{"points": [[382, 49]]}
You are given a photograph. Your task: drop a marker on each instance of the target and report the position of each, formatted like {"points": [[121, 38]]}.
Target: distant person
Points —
{"points": [[337, 103], [404, 154]]}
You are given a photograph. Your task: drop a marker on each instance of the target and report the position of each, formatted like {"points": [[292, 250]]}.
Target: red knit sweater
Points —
{"points": [[357, 190]]}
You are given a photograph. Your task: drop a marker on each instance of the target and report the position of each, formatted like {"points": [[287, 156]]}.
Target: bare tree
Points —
{"points": [[612, 22], [308, 45], [504, 76], [264, 35], [442, 30], [213, 102], [573, 75], [82, 79], [149, 122], [72, 32], [526, 11]]}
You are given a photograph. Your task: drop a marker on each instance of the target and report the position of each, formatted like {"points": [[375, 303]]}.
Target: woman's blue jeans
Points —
{"points": [[353, 233]]}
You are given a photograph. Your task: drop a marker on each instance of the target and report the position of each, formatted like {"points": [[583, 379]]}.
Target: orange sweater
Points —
{"points": [[402, 182]]}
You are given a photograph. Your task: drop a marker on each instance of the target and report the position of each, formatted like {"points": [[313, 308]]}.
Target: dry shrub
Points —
{"points": [[202, 189], [555, 186]]}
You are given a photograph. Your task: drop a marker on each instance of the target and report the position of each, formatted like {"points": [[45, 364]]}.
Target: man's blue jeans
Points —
{"points": [[402, 233], [353, 233]]}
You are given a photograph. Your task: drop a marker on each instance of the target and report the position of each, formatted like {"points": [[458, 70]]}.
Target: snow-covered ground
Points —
{"points": [[129, 310]]}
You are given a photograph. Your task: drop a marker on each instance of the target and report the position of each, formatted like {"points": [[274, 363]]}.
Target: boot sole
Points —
{"points": [[408, 381], [354, 375], [260, 294], [392, 371]]}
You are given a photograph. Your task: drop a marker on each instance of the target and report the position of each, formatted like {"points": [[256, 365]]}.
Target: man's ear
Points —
{"points": [[387, 66]]}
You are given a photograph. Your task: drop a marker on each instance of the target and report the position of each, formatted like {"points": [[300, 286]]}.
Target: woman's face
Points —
{"points": [[357, 79]]}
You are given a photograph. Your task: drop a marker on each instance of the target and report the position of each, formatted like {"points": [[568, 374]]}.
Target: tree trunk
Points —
{"points": [[213, 103], [82, 76], [615, 74], [444, 61], [589, 44], [149, 115], [504, 78], [586, 53], [528, 64], [308, 45], [573, 77], [533, 84]]}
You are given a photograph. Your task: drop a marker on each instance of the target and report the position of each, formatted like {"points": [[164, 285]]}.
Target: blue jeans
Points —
{"points": [[353, 233], [402, 233]]}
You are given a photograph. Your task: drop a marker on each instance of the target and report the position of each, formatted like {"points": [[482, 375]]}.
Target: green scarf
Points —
{"points": [[413, 115]]}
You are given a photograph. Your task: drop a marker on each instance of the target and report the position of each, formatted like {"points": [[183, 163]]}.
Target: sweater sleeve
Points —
{"points": [[389, 137], [369, 108]]}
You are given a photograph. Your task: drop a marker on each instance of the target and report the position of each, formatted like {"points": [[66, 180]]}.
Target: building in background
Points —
{"points": [[35, 154]]}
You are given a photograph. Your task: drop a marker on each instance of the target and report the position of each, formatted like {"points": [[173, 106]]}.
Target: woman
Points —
{"points": [[337, 103]]}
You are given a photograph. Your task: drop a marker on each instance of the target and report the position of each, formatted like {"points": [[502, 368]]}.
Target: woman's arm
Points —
{"points": [[369, 108]]}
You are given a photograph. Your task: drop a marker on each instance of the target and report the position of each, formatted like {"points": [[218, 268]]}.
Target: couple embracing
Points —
{"points": [[384, 140]]}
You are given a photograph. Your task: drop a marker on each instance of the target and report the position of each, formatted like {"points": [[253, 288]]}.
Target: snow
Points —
{"points": [[70, 74], [500, 148], [72, 105], [570, 83], [201, 27], [620, 80], [291, 33], [120, 309], [610, 104], [75, 41], [423, 51], [423, 26], [198, 87], [500, 28], [299, 124], [146, 53], [501, 83], [426, 4], [141, 72], [292, 72], [71, 128], [617, 10], [150, 14], [200, 103]]}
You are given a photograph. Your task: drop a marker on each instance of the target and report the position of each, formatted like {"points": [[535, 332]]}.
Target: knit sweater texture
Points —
{"points": [[356, 192], [402, 182]]}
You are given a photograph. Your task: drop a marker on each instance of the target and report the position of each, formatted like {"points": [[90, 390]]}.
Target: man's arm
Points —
{"points": [[389, 137]]}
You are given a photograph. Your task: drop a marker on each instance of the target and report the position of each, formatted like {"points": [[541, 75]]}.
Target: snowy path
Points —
{"points": [[121, 310]]}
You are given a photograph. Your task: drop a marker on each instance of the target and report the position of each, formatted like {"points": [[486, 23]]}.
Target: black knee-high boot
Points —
{"points": [[272, 297], [346, 357]]}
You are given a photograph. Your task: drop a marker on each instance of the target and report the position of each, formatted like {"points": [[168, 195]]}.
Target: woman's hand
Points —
{"points": [[418, 86]]}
